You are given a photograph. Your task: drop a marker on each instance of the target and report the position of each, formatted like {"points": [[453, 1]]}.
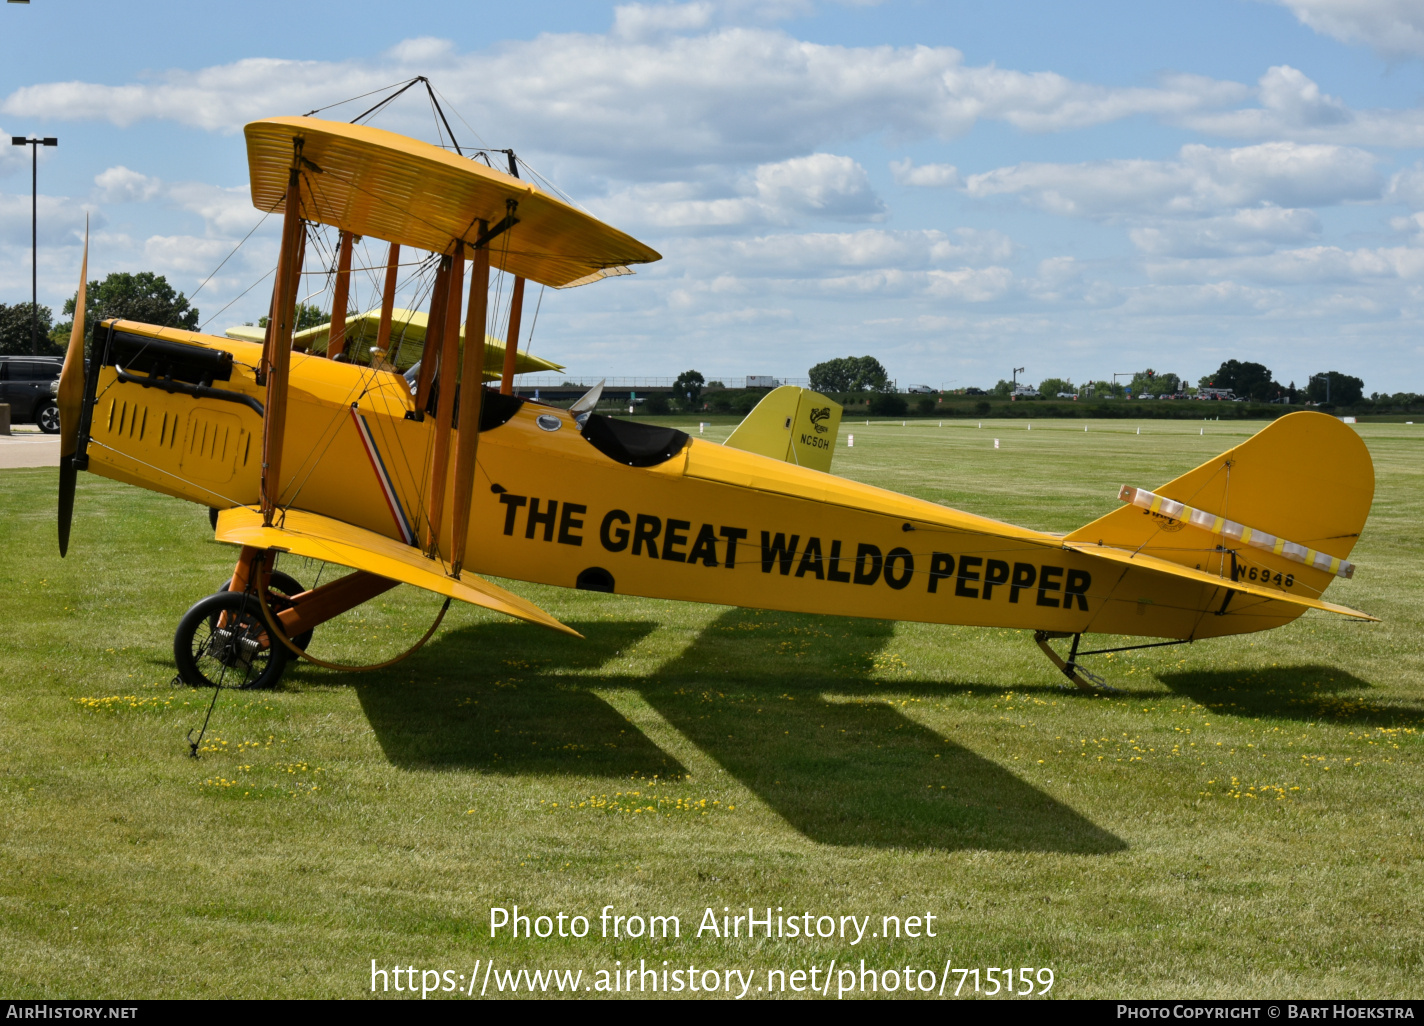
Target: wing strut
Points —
{"points": [[471, 400], [511, 344], [277, 354], [336, 330], [445, 389]]}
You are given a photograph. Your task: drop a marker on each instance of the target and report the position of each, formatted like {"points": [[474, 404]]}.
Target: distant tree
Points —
{"points": [[715, 384], [925, 405], [981, 407], [15, 328], [1050, 387], [1344, 390], [145, 297], [688, 386], [1247, 380], [656, 404], [850, 374], [745, 402], [1103, 388], [1003, 388], [308, 316], [888, 404]]}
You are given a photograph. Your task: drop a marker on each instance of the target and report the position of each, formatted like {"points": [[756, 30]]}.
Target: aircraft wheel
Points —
{"points": [[235, 655], [281, 587]]}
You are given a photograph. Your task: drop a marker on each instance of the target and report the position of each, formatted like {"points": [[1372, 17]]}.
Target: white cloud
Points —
{"points": [[1308, 266], [1407, 187], [932, 175], [646, 21], [1393, 27], [731, 94], [59, 221], [805, 254], [971, 285], [1252, 230], [1202, 180], [120, 185], [821, 185], [1293, 107]]}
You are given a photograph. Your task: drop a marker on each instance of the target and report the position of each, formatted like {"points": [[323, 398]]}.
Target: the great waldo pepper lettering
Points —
{"points": [[793, 555]]}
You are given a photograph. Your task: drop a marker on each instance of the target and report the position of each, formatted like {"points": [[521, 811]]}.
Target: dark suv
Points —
{"points": [[27, 384]]}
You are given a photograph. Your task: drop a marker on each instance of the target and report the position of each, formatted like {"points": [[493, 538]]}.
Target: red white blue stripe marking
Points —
{"points": [[387, 488]]}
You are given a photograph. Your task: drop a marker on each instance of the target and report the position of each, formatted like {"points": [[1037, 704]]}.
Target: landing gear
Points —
{"points": [[1070, 667], [222, 642], [280, 589], [1084, 679]]}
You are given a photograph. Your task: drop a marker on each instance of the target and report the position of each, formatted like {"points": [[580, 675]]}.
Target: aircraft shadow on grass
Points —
{"points": [[782, 702], [1310, 692], [495, 696]]}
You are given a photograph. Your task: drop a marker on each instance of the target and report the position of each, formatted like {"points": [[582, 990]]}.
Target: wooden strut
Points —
{"points": [[336, 330], [277, 354], [388, 300], [434, 336], [472, 394], [1069, 668], [445, 414], [511, 344]]}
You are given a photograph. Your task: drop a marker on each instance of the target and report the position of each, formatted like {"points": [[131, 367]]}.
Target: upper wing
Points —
{"points": [[319, 537]]}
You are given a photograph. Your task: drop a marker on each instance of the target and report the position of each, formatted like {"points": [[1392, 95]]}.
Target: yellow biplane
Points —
{"points": [[432, 479]]}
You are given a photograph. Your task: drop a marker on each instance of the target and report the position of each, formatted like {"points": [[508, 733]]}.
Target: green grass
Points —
{"points": [[826, 765]]}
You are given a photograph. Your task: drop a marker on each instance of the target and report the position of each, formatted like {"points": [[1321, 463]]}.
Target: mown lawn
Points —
{"points": [[1242, 819]]}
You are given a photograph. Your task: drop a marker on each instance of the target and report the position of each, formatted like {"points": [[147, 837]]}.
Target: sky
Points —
{"points": [[955, 188]]}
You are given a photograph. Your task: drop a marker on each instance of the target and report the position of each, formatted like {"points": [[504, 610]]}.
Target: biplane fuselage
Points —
{"points": [[707, 523]]}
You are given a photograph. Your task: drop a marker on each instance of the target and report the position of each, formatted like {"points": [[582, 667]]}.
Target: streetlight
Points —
{"points": [[20, 140], [1326, 376]]}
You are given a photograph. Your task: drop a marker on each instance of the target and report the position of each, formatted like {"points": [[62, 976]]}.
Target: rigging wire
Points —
{"points": [[225, 259]]}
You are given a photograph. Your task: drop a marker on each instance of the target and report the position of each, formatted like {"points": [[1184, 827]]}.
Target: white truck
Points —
{"points": [[761, 381]]}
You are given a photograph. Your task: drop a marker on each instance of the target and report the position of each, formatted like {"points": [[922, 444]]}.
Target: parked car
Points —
{"points": [[27, 385], [975, 391], [920, 390], [1067, 395]]}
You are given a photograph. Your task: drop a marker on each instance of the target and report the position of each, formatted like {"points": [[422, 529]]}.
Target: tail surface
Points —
{"points": [[1281, 510], [791, 424]]}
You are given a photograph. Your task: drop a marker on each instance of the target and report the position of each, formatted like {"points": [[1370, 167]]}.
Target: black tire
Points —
{"points": [[47, 417], [235, 656], [282, 587]]}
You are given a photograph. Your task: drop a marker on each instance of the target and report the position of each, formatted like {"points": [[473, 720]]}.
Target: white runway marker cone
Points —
{"points": [[996, 443], [1139, 431], [850, 441]]}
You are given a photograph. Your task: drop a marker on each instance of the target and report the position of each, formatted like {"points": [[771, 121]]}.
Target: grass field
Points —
{"points": [[1243, 819]]}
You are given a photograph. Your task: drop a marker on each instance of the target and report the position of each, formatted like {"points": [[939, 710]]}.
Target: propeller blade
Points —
{"points": [[587, 403], [71, 401]]}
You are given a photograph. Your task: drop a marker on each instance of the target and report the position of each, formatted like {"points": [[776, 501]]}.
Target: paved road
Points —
{"points": [[28, 449]]}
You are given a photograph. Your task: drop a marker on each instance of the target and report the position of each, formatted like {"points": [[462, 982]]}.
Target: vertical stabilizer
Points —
{"points": [[791, 424]]}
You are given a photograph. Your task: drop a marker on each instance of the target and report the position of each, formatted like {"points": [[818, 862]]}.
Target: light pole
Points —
{"points": [[1326, 376], [36, 143]]}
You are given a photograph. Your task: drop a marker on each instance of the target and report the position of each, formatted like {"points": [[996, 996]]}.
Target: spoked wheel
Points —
{"points": [[223, 642], [280, 589]]}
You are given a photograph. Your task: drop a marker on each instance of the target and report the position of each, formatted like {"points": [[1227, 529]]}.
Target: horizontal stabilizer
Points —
{"points": [[1162, 566], [319, 537], [1292, 499]]}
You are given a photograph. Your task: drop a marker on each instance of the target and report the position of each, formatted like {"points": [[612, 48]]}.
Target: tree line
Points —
{"points": [[144, 296]]}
